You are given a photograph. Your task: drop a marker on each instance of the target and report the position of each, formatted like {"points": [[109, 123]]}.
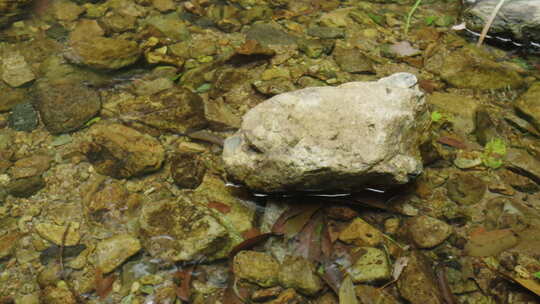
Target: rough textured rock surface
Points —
{"points": [[428, 232], [257, 267], [15, 70], [65, 105], [180, 231], [122, 152], [529, 104], [112, 252], [331, 138], [472, 68], [520, 18], [176, 110], [417, 283], [87, 47]]}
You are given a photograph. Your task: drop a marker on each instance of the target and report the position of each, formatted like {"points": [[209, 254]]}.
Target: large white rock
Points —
{"points": [[331, 138]]}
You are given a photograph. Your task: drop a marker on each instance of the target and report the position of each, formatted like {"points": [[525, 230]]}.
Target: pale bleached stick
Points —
{"points": [[487, 26]]}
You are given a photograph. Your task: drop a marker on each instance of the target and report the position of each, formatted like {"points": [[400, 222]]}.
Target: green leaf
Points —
{"points": [[177, 76], [494, 153], [92, 121], [537, 275], [205, 87], [436, 116], [430, 20], [496, 146], [147, 289], [376, 18]]}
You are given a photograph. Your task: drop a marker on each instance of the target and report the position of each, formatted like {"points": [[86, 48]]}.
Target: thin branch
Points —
{"points": [[489, 22], [61, 253]]}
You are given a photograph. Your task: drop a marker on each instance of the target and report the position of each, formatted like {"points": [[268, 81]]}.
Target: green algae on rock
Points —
{"points": [[472, 67]]}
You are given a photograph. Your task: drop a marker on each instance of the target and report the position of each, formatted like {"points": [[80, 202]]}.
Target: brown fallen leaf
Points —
{"points": [[230, 295], [279, 225], [183, 291], [251, 233], [295, 224], [249, 243], [221, 207], [103, 284], [452, 142], [326, 243], [309, 239]]}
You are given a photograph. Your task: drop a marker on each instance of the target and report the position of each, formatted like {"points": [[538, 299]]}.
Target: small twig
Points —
{"points": [[444, 287], [78, 298], [61, 253], [489, 22]]}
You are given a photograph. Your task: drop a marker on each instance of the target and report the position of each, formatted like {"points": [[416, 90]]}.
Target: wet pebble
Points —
{"points": [[15, 70], [23, 117], [66, 105], [361, 233], [465, 189], [428, 232], [123, 152], [112, 252], [187, 170], [55, 233], [371, 266], [417, 283], [300, 274], [256, 267], [25, 187], [528, 104]]}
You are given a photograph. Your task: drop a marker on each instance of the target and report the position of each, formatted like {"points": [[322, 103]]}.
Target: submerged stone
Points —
{"points": [[66, 105], [257, 267], [112, 252], [23, 117], [417, 283], [465, 189], [16, 71], [529, 104], [123, 152], [180, 231], [331, 138], [428, 232], [472, 68], [371, 266], [299, 273]]}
